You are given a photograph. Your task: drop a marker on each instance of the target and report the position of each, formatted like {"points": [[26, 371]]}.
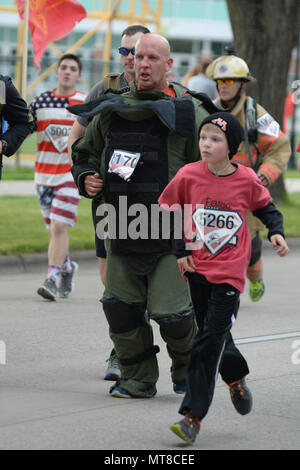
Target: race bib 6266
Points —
{"points": [[216, 227]]}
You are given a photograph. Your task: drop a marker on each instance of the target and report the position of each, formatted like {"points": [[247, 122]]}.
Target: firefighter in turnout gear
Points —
{"points": [[265, 148], [135, 144]]}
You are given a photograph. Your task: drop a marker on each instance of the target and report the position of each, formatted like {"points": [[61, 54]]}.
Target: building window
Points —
{"points": [[181, 45]]}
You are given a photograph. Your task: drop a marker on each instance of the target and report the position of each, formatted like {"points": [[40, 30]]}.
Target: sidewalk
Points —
{"points": [[17, 188], [27, 188]]}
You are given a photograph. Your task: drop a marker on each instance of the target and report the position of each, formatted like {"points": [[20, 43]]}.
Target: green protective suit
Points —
{"points": [[145, 283]]}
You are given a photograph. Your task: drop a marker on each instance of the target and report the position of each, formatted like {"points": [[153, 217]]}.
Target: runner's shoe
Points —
{"points": [[119, 392], [241, 396], [188, 428], [256, 290], [112, 372], [66, 283], [48, 290], [179, 388]]}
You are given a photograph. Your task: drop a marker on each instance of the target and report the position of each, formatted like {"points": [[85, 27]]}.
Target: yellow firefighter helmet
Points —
{"points": [[229, 66]]}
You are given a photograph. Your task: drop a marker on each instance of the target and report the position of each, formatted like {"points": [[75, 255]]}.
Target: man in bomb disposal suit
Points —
{"points": [[155, 127]]}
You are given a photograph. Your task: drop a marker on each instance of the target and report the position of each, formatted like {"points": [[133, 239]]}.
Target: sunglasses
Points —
{"points": [[126, 51], [227, 81]]}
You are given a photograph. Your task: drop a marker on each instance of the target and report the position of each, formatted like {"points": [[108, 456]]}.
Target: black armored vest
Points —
{"points": [[148, 140]]}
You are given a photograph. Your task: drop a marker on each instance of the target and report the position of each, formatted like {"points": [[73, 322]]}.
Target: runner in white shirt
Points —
{"points": [[57, 192]]}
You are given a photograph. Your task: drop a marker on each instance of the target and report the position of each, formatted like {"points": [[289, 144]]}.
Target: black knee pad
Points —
{"points": [[176, 326], [256, 248], [122, 317]]}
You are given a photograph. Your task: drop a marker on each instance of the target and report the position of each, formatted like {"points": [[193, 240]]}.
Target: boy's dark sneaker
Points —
{"points": [[188, 428], [241, 396]]}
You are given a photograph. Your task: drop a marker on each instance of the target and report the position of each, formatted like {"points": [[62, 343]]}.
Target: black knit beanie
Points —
{"points": [[230, 126]]}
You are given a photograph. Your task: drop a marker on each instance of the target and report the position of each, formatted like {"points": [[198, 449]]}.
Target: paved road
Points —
{"points": [[52, 395]]}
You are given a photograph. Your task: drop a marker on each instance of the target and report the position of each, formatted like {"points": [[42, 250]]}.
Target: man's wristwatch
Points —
{"points": [[4, 146]]}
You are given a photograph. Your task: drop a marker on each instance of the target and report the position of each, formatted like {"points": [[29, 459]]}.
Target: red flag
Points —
{"points": [[50, 20]]}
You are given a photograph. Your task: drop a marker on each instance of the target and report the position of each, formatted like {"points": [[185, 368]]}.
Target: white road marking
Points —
{"points": [[261, 339]]}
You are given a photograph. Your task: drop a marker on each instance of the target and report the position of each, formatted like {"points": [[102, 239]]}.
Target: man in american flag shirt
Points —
{"points": [[57, 193]]}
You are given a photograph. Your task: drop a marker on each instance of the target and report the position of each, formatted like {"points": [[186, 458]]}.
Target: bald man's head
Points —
{"points": [[152, 62], [157, 41]]}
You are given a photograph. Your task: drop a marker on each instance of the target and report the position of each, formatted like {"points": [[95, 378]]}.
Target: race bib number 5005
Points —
{"points": [[215, 228], [58, 135], [123, 163]]}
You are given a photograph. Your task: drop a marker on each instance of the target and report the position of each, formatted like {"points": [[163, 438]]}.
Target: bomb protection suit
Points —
{"points": [[143, 281]]}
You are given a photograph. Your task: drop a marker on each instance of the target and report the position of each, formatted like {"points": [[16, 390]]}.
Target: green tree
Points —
{"points": [[265, 33]]}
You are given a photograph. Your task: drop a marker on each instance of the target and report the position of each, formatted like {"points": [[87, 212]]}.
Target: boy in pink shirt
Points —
{"points": [[216, 194]]}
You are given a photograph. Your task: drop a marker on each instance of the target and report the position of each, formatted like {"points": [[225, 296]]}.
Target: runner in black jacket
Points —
{"points": [[14, 110]]}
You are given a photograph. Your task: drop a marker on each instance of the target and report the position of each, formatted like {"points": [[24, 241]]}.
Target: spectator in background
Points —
{"points": [[171, 76], [195, 70], [200, 82]]}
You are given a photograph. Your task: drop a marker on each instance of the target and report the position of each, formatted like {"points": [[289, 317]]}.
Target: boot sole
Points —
{"points": [[45, 293], [112, 377], [117, 394]]}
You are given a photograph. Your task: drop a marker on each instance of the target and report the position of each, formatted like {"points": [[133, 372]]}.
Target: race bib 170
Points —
{"points": [[123, 163]]}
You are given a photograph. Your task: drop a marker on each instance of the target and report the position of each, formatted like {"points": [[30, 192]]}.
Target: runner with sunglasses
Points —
{"points": [[126, 51], [265, 149]]}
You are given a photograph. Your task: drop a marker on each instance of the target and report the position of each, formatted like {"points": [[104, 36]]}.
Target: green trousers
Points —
{"points": [[130, 301]]}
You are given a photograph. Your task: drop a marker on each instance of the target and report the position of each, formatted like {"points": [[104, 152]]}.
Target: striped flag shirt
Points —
{"points": [[53, 125]]}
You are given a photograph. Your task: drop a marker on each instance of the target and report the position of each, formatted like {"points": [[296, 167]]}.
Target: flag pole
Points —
{"points": [[25, 50]]}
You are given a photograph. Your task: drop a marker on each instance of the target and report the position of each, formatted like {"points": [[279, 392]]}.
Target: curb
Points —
{"points": [[293, 243], [27, 187], [30, 262]]}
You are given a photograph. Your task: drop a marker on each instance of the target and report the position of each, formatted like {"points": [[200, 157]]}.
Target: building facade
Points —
{"points": [[192, 26]]}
